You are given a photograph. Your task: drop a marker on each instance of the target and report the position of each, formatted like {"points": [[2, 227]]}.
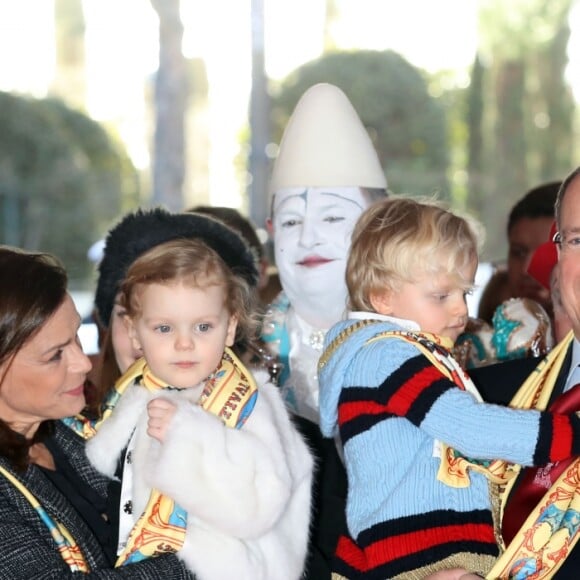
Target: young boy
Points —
{"points": [[214, 468], [397, 398]]}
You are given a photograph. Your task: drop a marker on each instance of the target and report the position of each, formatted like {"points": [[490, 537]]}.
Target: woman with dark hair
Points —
{"points": [[54, 516]]}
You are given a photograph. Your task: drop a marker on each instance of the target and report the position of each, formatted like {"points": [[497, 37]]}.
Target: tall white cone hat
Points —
{"points": [[325, 144]]}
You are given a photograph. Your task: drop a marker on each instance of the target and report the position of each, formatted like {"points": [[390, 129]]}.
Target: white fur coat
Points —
{"points": [[247, 491]]}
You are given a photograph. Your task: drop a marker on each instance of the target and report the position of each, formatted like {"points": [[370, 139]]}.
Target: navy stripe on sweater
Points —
{"points": [[543, 446], [412, 390], [409, 392]]}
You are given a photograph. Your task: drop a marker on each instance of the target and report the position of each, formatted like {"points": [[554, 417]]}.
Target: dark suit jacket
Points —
{"points": [[497, 384], [27, 548]]}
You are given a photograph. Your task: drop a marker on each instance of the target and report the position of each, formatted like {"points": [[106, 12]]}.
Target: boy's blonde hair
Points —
{"points": [[400, 238], [193, 263]]}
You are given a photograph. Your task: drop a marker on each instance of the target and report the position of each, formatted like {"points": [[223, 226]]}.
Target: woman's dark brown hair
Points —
{"points": [[33, 287]]}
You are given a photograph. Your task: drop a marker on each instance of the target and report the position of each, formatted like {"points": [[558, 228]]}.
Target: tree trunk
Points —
{"points": [[558, 103], [70, 71], [259, 122], [170, 103], [509, 155], [475, 161]]}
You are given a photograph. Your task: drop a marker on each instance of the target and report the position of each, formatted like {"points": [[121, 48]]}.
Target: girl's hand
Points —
{"points": [[160, 413]]}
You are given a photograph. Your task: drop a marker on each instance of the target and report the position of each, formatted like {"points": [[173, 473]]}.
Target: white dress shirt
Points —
{"points": [[574, 373]]}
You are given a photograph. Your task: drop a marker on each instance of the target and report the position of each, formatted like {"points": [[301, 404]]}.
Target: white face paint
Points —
{"points": [[312, 235]]}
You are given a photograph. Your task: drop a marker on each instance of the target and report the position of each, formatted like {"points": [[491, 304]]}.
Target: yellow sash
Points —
{"points": [[87, 428], [551, 530], [230, 394]]}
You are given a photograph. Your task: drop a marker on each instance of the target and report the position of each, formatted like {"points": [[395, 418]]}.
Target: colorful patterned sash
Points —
{"points": [[453, 469], [552, 530], [87, 428], [230, 394], [65, 543]]}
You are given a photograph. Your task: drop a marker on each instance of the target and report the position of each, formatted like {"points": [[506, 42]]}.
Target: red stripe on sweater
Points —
{"points": [[561, 438], [394, 547], [349, 411], [399, 404], [350, 553], [403, 399]]}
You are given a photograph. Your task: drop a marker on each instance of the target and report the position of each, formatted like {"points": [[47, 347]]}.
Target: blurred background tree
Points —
{"points": [[522, 110], [63, 179], [479, 139], [171, 95], [483, 144]]}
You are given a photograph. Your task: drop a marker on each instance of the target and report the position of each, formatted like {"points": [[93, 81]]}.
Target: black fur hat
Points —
{"points": [[144, 229]]}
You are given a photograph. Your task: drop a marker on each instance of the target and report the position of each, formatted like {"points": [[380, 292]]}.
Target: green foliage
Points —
{"points": [[511, 29], [62, 179], [523, 114], [406, 123]]}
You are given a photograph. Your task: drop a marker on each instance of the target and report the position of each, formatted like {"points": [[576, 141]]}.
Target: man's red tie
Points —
{"points": [[535, 481]]}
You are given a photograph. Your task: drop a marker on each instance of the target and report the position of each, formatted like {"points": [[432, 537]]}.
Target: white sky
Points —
{"points": [[122, 39], [122, 53]]}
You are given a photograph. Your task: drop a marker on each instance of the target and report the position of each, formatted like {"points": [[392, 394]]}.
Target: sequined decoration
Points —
{"points": [[316, 339]]}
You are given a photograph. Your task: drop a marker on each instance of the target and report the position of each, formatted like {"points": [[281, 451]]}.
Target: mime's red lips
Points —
{"points": [[313, 261]]}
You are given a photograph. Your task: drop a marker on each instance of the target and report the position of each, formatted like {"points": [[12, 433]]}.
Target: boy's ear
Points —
{"points": [[381, 302], [270, 226]]}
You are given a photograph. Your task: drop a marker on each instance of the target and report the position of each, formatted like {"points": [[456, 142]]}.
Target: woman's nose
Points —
{"points": [[80, 361]]}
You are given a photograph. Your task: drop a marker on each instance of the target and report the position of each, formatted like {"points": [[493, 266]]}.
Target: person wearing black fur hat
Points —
{"points": [[136, 233]]}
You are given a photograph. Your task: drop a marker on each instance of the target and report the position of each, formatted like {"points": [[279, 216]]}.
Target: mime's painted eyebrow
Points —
{"points": [[304, 195], [342, 197], [301, 195]]}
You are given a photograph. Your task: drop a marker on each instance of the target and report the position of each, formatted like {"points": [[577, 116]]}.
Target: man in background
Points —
{"points": [[528, 226]]}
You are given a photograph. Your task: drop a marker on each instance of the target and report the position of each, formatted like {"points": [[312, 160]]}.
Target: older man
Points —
{"points": [[539, 509], [563, 514]]}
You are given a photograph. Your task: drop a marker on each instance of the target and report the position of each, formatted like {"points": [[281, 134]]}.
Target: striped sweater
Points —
{"points": [[389, 406]]}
